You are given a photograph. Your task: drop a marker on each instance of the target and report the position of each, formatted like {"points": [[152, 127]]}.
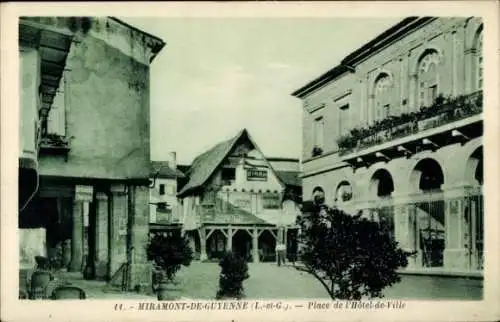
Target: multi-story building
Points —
{"points": [[395, 131], [164, 207], [234, 199], [85, 159]]}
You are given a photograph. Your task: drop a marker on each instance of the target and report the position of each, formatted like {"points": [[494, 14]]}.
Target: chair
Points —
{"points": [[67, 292], [39, 282], [22, 295]]}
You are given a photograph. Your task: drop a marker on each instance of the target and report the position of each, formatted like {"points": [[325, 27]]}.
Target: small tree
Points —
{"points": [[169, 252], [234, 270], [351, 256]]}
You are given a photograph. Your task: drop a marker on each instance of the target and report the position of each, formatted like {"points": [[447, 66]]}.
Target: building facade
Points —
{"points": [[395, 132], [235, 200], [85, 159], [163, 193]]}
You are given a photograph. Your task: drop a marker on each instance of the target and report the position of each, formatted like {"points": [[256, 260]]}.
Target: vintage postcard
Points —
{"points": [[250, 161]]}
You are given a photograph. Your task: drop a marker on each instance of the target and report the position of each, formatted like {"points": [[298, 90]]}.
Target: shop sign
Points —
{"points": [[256, 175]]}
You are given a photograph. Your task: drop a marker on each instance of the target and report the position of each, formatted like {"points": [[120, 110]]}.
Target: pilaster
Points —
{"points": [[83, 195], [101, 260], [117, 228], [406, 227], [458, 241], [140, 268]]}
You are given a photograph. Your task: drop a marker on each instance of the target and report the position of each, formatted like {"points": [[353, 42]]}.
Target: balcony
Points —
{"points": [[447, 120], [53, 144]]}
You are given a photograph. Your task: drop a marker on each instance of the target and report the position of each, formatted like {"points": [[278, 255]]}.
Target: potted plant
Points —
{"points": [[161, 282], [317, 151]]}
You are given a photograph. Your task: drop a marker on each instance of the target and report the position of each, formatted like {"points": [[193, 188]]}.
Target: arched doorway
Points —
{"points": [[429, 212], [242, 244], [381, 189], [474, 209], [429, 175]]}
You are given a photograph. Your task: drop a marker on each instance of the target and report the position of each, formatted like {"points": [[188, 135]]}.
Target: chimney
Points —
{"points": [[172, 160]]}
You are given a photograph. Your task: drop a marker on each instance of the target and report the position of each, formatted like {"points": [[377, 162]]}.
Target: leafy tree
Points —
{"points": [[234, 270], [170, 251], [351, 256]]}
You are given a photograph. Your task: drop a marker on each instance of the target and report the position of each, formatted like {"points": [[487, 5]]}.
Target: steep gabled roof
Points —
{"points": [[206, 163], [290, 178], [162, 169]]}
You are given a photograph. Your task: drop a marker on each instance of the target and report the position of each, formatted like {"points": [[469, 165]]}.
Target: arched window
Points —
{"points": [[343, 192], [382, 96], [479, 61], [428, 78], [318, 195]]}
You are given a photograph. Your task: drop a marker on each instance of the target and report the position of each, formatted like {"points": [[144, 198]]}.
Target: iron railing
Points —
{"points": [[441, 112]]}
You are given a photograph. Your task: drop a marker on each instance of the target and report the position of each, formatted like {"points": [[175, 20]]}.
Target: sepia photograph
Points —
{"points": [[234, 159]]}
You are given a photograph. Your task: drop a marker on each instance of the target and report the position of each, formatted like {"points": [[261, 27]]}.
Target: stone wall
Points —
{"points": [[453, 38]]}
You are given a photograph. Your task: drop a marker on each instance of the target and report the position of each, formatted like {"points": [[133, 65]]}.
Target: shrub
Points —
{"points": [[169, 252], [234, 270], [351, 256]]}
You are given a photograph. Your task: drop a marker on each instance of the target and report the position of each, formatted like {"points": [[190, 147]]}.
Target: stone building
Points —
{"points": [[84, 168], [395, 131], [234, 199]]}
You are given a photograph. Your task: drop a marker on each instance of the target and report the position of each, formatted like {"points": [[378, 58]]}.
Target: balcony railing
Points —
{"points": [[443, 111], [54, 143]]}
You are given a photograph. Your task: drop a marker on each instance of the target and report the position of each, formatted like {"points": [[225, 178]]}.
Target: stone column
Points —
{"points": [[229, 241], [457, 253], [203, 244], [117, 228], [83, 194], [140, 268], [255, 245], [101, 260], [405, 228]]}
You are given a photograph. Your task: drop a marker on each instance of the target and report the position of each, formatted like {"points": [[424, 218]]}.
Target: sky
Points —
{"points": [[217, 76]]}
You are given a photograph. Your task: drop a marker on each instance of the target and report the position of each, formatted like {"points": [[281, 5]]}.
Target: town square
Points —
{"points": [[267, 158]]}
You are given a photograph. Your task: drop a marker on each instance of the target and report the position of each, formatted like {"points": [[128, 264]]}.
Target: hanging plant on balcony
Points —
{"points": [[54, 140], [450, 109], [317, 151], [348, 141]]}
